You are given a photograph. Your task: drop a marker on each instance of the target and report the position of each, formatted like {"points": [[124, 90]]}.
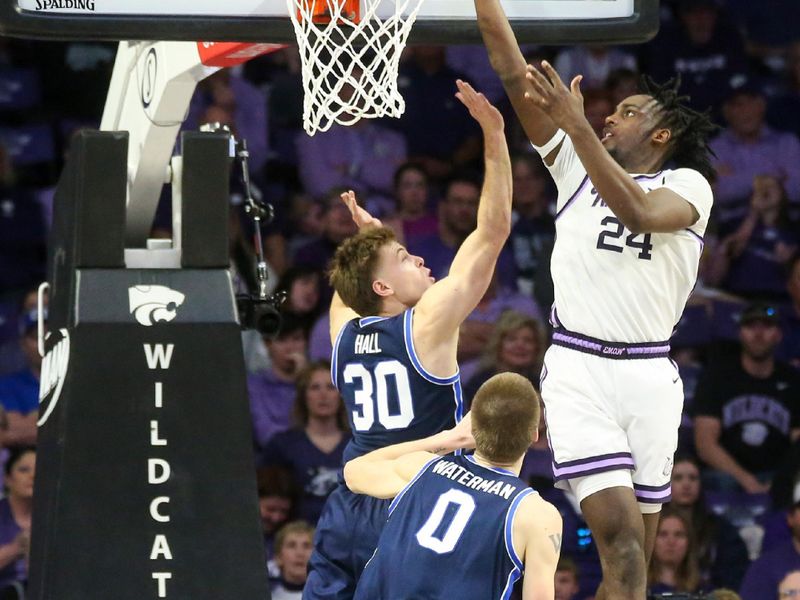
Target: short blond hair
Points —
{"points": [[353, 267], [505, 415]]}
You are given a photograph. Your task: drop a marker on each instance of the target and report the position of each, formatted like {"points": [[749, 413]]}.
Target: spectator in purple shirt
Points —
{"points": [[776, 562], [337, 226], [533, 231], [516, 344], [245, 104], [748, 147], [752, 260], [15, 515], [703, 46], [272, 392], [458, 217], [312, 450], [411, 195], [361, 157], [440, 134], [302, 286], [595, 62]]}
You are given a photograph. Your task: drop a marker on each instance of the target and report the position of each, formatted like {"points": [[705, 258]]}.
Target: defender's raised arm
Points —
{"points": [[444, 307]]}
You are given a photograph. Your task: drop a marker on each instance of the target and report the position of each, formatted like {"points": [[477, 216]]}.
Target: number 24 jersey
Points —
{"points": [[612, 284]]}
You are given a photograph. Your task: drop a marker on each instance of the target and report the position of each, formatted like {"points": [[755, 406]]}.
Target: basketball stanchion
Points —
{"points": [[145, 483]]}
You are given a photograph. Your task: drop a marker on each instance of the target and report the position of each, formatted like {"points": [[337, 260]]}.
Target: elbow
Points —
{"points": [[350, 473], [636, 223]]}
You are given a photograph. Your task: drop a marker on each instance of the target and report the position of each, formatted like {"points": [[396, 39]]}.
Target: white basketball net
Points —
{"points": [[350, 68]]}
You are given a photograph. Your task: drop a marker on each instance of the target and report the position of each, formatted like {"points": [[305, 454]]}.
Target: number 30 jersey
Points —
{"points": [[611, 284], [389, 396], [449, 535]]}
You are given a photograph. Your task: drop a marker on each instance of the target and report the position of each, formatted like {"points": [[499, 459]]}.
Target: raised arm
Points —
{"points": [[443, 307], [661, 210], [509, 64], [383, 473], [340, 313]]}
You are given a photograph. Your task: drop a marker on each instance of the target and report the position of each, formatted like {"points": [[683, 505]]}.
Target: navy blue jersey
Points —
{"points": [[389, 396], [448, 536]]}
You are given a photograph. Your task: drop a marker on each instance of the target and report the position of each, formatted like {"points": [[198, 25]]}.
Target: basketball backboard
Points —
{"points": [[439, 21]]}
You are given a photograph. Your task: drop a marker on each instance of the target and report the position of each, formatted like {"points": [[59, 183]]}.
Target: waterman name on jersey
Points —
{"points": [[460, 475]]}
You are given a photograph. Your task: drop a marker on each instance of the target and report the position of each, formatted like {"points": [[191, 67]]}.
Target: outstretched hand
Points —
{"points": [[564, 105], [360, 216], [487, 116]]}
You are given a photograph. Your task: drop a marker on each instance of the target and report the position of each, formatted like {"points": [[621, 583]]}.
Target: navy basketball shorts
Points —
{"points": [[345, 539], [612, 422]]}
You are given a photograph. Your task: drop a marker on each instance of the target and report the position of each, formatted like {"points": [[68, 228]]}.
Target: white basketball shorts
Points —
{"points": [[612, 412]]}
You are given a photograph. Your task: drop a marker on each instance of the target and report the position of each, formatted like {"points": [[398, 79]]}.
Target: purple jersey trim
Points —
{"points": [[615, 350], [697, 237], [651, 494], [592, 465], [572, 198]]}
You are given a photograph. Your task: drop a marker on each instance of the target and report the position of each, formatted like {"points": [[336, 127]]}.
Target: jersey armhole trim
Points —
{"points": [[335, 356], [408, 336], [399, 496], [508, 528], [551, 144], [573, 197]]}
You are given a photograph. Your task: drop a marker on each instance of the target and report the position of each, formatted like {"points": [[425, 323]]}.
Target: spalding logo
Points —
{"points": [[53, 374], [151, 304]]}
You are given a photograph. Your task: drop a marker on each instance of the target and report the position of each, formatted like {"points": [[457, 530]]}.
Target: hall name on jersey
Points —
{"points": [[367, 344], [460, 475]]}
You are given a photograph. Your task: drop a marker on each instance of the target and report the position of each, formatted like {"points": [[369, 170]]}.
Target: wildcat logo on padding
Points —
{"points": [[53, 373], [151, 304]]}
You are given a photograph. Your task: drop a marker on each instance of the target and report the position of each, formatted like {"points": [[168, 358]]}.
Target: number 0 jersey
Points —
{"points": [[611, 284], [389, 396], [449, 535]]}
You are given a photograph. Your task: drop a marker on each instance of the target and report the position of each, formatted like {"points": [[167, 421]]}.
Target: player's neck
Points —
{"points": [[514, 467], [645, 161], [392, 307]]}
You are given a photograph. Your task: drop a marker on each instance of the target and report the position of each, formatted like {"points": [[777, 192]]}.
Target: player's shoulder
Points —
{"points": [[686, 176], [535, 513]]}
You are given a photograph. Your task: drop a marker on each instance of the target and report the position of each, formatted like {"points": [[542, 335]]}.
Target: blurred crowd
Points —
{"points": [[734, 518]]}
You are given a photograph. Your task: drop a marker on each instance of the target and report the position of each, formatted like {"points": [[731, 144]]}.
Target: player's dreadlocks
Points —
{"points": [[690, 129]]}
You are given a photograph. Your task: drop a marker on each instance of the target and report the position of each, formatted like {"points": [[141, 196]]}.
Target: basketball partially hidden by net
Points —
{"points": [[350, 55]]}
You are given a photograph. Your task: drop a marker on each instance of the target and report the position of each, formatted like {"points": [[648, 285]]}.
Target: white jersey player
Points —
{"points": [[632, 211]]}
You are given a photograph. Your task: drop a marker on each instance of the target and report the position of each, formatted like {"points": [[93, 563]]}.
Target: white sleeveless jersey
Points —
{"points": [[609, 283]]}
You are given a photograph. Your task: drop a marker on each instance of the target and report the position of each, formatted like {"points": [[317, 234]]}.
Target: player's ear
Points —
{"points": [[382, 288], [661, 137]]}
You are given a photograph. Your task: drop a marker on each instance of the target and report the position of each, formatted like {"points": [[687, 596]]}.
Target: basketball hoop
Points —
{"points": [[350, 57]]}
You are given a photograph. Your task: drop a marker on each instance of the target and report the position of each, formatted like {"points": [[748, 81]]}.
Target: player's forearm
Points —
{"points": [[498, 37], [614, 185], [440, 443], [494, 211]]}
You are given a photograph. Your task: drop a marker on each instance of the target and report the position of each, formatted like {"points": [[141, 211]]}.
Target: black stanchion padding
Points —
{"points": [[206, 175], [145, 484]]}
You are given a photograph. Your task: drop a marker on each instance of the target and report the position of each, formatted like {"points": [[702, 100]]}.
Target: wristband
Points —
{"points": [[548, 147]]}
